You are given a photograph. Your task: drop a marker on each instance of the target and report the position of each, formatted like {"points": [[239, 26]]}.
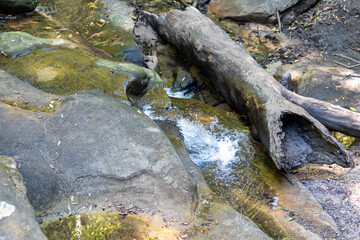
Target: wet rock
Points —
{"points": [[183, 80], [17, 217], [106, 25], [178, 79], [249, 182], [120, 17], [158, 6], [120, 14], [16, 44], [133, 55], [65, 70], [17, 6]]}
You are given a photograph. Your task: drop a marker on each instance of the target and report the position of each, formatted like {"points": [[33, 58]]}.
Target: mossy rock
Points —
{"points": [[49, 65], [107, 25], [65, 71], [102, 226], [16, 44]]}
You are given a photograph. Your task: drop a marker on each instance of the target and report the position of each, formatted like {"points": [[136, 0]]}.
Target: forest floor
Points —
{"points": [[328, 30]]}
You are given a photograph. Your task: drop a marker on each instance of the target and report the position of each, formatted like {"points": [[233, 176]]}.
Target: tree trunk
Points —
{"points": [[290, 134]]}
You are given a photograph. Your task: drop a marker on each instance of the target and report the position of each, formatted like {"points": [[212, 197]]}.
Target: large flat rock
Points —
{"points": [[96, 146]]}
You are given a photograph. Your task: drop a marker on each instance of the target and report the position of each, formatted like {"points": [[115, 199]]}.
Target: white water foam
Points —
{"points": [[178, 94], [205, 146], [214, 144], [150, 113]]}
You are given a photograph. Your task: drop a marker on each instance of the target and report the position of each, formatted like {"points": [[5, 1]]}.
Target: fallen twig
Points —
{"points": [[349, 58], [347, 66], [279, 20], [343, 56]]}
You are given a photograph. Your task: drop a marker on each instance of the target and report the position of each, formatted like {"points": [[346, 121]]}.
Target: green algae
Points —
{"points": [[66, 71], [112, 41], [103, 226], [107, 29], [90, 226], [51, 107]]}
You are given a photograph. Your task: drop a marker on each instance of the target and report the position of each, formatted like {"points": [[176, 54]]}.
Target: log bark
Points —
{"points": [[292, 137]]}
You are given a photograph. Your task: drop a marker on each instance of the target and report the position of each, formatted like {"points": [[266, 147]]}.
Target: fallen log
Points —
{"points": [[292, 137], [333, 117]]}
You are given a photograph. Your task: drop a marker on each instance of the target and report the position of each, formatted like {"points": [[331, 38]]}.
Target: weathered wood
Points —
{"points": [[333, 117], [290, 134]]}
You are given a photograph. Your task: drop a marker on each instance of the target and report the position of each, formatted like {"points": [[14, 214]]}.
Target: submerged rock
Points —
{"points": [[214, 218], [15, 44], [106, 25], [57, 66], [17, 217]]}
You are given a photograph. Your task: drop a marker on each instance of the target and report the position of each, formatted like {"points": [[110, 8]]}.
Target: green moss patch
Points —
{"points": [[66, 71], [91, 226]]}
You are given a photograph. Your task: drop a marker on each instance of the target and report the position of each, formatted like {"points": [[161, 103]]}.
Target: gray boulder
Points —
{"points": [[95, 146], [259, 10], [17, 217], [243, 9]]}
